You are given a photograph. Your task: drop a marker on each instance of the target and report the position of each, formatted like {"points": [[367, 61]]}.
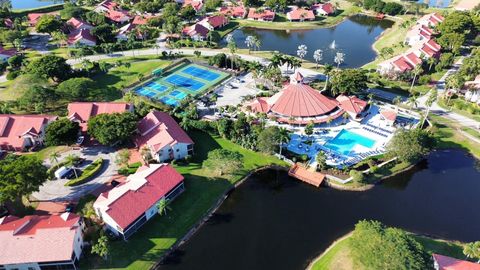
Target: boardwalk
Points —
{"points": [[301, 173]]}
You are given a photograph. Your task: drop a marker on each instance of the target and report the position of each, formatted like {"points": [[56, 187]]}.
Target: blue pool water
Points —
{"points": [[201, 73], [181, 81], [346, 140]]}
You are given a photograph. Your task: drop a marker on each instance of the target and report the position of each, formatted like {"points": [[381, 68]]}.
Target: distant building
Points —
{"points": [[128, 206], [165, 139], [214, 22], [353, 105], [118, 16], [196, 32], [234, 11], [142, 19], [418, 33], [81, 112], [324, 9], [441, 262], [81, 37], [196, 4], [261, 14], [431, 20], [106, 6], [300, 14], [34, 17], [78, 24], [125, 30], [19, 132], [41, 242], [6, 53]]}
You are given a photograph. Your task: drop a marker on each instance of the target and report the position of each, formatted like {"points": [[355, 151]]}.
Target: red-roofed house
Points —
{"points": [[214, 22], [261, 14], [106, 6], [118, 16], [196, 4], [41, 242], [398, 64], [165, 139], [196, 31], [6, 53], [125, 30], [300, 14], [34, 17], [78, 24], [18, 132], [431, 19], [235, 12], [324, 9], [83, 37], [352, 105], [142, 19], [441, 262], [81, 112], [128, 206], [258, 105], [428, 49], [418, 33]]}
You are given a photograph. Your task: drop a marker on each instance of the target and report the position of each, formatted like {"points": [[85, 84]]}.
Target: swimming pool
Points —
{"points": [[346, 140]]}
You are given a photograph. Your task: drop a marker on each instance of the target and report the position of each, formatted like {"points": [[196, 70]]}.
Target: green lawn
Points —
{"points": [[202, 191], [448, 137], [46, 152], [338, 255]]}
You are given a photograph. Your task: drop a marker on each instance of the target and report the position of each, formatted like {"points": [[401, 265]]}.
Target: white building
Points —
{"points": [[165, 139], [41, 242], [128, 206]]}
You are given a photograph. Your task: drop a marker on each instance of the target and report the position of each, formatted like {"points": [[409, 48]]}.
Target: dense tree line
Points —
{"points": [[390, 8]]}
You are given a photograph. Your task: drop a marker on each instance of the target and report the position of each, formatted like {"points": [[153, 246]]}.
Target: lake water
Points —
{"points": [[29, 4], [353, 37], [436, 3], [274, 222]]}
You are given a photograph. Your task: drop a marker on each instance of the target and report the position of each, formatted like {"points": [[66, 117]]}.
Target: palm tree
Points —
{"points": [[255, 67], [472, 250], [302, 51], [318, 56], [329, 121], [276, 60], [296, 63], [416, 71], [185, 123], [412, 100], [339, 58], [131, 42], [327, 69], [257, 42], [54, 157], [162, 206], [431, 99], [156, 47], [431, 61], [345, 116], [232, 46], [250, 42]]}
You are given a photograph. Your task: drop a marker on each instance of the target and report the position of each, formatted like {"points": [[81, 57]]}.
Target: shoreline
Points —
{"points": [[195, 228]]}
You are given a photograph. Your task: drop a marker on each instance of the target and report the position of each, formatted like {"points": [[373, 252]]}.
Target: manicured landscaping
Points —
{"points": [[89, 172], [202, 191], [337, 257]]}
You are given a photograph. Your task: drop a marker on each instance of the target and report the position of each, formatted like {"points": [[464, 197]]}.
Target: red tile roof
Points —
{"points": [[82, 111], [141, 191], [389, 115], [78, 23], [427, 50], [118, 15], [34, 17], [14, 127], [351, 104], [433, 45], [217, 21], [301, 100], [402, 64], [327, 8], [413, 59], [259, 105], [141, 20], [196, 29], [37, 238], [238, 11], [196, 4], [449, 263], [108, 4], [266, 14], [159, 129], [301, 14], [82, 34]]}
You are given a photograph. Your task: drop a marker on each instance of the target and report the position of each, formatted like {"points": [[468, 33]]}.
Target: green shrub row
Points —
{"points": [[130, 169], [90, 171]]}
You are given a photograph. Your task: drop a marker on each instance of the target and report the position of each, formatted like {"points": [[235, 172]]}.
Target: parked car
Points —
{"points": [[62, 172], [73, 173], [80, 140]]}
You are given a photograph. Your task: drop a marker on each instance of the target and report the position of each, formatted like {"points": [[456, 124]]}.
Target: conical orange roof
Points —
{"points": [[301, 100]]}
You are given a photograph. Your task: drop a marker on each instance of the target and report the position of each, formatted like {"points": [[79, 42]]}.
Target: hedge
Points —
{"points": [[130, 169], [90, 171], [54, 168]]}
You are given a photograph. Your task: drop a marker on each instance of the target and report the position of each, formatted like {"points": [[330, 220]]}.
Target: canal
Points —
{"points": [[354, 37], [274, 222]]}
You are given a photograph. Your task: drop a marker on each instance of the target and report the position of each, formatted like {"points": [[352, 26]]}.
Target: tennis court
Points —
{"points": [[190, 84], [201, 73], [177, 84]]}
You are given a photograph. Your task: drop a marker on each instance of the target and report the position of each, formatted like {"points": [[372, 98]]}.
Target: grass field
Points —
{"points": [[202, 191], [337, 256], [448, 137]]}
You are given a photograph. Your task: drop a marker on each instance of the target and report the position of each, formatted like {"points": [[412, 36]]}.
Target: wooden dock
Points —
{"points": [[303, 174]]}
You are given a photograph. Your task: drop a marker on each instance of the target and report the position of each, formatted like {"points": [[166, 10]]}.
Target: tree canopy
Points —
{"points": [[19, 176], [61, 132], [37, 98], [269, 140], [223, 161], [48, 24], [377, 247], [348, 81], [110, 129], [76, 89], [410, 145], [50, 67]]}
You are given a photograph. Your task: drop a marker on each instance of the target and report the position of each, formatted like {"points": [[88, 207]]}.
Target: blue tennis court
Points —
{"points": [[178, 94], [169, 101], [145, 92], [181, 81], [201, 73]]}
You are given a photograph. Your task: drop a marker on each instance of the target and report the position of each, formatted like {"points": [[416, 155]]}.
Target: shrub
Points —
{"points": [[12, 75], [89, 172], [357, 176], [374, 169], [424, 79]]}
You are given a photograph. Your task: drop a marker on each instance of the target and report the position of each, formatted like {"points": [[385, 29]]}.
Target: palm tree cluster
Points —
{"points": [[252, 42], [278, 60]]}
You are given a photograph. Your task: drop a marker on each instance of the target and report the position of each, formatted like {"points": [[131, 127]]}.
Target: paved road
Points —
{"points": [[55, 189]]}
